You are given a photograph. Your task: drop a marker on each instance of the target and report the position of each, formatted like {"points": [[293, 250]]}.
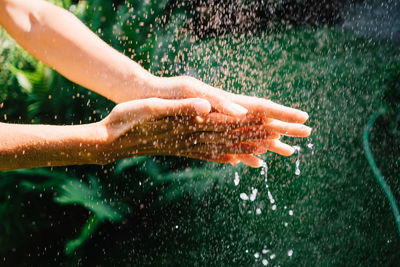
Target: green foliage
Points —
{"points": [[164, 210], [68, 190]]}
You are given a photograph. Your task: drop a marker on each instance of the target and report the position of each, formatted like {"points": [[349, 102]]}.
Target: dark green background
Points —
{"points": [[169, 211]]}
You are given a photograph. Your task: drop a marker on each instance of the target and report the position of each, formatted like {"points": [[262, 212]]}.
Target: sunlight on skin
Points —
{"points": [[238, 127]]}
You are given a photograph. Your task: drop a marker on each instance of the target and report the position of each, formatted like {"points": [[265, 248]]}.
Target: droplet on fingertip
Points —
{"points": [[199, 119]]}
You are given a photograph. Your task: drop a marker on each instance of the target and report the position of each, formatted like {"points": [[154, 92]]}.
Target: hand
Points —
{"points": [[156, 126], [221, 101], [274, 127], [281, 119]]}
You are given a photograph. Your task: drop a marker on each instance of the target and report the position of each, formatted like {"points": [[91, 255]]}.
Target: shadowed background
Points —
{"points": [[337, 60]]}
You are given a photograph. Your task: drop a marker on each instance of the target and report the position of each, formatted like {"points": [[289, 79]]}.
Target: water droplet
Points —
{"points": [[291, 212], [256, 255], [264, 262], [297, 149], [253, 194], [237, 179], [264, 171], [290, 253], [271, 199], [243, 196]]}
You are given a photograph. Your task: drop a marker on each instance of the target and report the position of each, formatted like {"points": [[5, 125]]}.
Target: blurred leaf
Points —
{"points": [[87, 230], [24, 81], [75, 192], [127, 163], [72, 191]]}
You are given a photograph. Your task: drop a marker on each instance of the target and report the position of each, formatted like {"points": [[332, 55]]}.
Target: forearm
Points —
{"points": [[60, 40], [31, 146]]}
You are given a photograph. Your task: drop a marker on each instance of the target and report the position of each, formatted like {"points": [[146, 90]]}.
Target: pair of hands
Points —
{"points": [[183, 116]]}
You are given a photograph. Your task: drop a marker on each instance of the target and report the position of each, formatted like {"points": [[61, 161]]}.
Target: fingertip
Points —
{"points": [[202, 106], [303, 117], [281, 148], [250, 160], [296, 116], [288, 151], [307, 131]]}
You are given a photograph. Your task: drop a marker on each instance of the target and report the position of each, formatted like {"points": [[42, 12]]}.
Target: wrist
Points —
{"points": [[90, 143], [74, 145], [137, 83]]}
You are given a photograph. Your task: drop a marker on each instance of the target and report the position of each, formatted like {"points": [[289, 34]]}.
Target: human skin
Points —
{"points": [[150, 126], [60, 40]]}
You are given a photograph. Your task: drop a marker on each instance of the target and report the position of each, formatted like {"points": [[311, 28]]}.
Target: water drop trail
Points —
{"points": [[297, 149], [264, 171]]}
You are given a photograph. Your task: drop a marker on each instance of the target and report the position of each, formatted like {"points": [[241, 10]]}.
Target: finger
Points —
{"points": [[274, 145], [213, 122], [156, 108], [270, 109], [238, 148], [185, 86], [287, 128], [220, 158], [223, 121], [219, 100], [232, 137], [250, 160]]}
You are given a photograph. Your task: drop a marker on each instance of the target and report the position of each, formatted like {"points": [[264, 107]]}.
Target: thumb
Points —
{"points": [[158, 108], [137, 111]]}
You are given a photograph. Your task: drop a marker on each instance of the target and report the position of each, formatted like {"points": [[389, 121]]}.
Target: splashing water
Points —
{"points": [[297, 149], [264, 171], [237, 179], [311, 147], [244, 197], [253, 194]]}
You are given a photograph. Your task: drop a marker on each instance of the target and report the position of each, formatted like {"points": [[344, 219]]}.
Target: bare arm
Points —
{"points": [[150, 126], [29, 146], [60, 40]]}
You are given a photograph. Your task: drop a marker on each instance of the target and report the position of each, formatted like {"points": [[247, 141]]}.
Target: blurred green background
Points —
{"points": [[176, 211]]}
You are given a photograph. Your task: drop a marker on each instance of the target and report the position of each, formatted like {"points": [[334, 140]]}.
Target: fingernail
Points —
{"points": [[236, 109], [305, 114], [306, 128]]}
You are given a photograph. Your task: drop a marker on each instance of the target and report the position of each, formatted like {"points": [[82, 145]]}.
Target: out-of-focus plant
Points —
{"points": [[308, 65]]}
